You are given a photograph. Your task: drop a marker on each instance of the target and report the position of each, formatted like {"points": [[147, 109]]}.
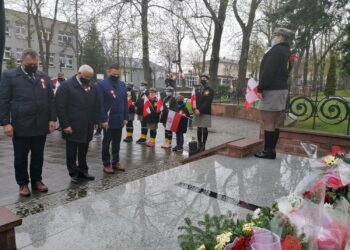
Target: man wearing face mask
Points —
{"points": [[27, 114], [78, 108], [144, 93], [273, 89], [202, 117], [114, 115], [131, 104]]}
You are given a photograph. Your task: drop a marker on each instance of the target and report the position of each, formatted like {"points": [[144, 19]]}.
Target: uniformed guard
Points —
{"points": [[169, 103], [202, 117], [132, 110], [143, 93]]}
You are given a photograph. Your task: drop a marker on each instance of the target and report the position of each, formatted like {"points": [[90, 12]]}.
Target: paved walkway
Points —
{"points": [[139, 161]]}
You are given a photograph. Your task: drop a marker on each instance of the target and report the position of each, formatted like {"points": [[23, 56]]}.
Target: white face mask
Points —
{"points": [[273, 42]]}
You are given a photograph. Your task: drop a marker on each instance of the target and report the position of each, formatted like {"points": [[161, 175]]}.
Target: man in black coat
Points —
{"points": [[202, 117], [27, 114], [77, 109]]}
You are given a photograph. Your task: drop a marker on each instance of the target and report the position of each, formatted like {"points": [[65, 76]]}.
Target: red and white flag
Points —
{"points": [[173, 121], [129, 102], [147, 105], [159, 103], [251, 93], [193, 99]]}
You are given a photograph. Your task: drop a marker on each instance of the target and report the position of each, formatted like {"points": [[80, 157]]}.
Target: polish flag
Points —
{"points": [[251, 93], [146, 107], [193, 99], [129, 102], [159, 103], [173, 121]]}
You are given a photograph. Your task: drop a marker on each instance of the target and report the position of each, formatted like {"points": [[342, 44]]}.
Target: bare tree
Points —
{"points": [[219, 21], [44, 36], [2, 32], [246, 30]]}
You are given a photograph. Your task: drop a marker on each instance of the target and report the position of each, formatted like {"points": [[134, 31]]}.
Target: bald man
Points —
{"points": [[77, 109]]}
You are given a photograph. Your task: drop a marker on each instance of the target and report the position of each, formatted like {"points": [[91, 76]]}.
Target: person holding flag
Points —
{"points": [[168, 103], [132, 110], [182, 126], [143, 94], [201, 102], [151, 116]]}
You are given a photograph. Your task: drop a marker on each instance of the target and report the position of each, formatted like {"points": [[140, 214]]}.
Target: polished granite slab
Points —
{"points": [[146, 213]]}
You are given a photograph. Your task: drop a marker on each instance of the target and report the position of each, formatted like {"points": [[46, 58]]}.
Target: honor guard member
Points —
{"points": [[139, 111], [132, 110], [169, 103], [202, 117]]}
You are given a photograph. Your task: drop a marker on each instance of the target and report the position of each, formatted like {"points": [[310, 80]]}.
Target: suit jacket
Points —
{"points": [[113, 103], [27, 104], [78, 108], [204, 99]]}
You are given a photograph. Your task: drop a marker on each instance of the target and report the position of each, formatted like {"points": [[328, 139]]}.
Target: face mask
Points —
{"points": [[142, 88], [114, 78], [203, 82], [31, 68], [60, 79], [84, 81], [273, 42], [180, 102], [168, 94], [129, 89]]}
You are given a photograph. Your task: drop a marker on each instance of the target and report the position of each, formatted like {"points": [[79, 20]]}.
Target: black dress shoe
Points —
{"points": [[266, 154], [74, 179], [86, 176]]}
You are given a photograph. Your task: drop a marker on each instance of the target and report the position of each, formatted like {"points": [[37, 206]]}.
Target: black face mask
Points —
{"points": [[129, 89], [31, 68], [114, 78], [203, 82], [60, 79], [84, 81], [180, 103]]}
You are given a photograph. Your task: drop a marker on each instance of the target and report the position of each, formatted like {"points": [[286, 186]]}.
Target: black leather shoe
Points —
{"points": [[74, 179], [266, 154], [86, 176]]}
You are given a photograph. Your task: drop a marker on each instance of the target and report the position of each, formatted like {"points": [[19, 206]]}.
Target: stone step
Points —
{"points": [[242, 147], [8, 222]]}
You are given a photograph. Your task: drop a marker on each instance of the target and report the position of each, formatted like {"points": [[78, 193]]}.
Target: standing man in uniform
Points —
{"points": [[77, 109], [27, 114], [132, 110], [202, 117], [114, 115]]}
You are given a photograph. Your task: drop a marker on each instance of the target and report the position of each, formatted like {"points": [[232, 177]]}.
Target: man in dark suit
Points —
{"points": [[202, 117], [27, 114], [77, 109], [114, 114]]}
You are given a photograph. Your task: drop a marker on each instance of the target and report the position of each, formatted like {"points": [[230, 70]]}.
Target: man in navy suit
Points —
{"points": [[27, 114], [114, 113]]}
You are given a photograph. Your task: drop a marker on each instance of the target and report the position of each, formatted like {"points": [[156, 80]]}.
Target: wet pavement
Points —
{"points": [[146, 213], [139, 161]]}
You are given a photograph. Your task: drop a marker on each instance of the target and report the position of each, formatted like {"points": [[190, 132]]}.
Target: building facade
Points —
{"points": [[62, 48]]}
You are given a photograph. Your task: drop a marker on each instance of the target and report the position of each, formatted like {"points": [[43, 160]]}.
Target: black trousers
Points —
{"points": [[113, 136], [22, 145], [72, 150], [130, 127], [144, 129]]}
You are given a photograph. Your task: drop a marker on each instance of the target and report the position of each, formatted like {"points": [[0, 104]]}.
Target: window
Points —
{"points": [[21, 30], [7, 28], [66, 61], [18, 54], [7, 53], [64, 38], [191, 80], [52, 60]]}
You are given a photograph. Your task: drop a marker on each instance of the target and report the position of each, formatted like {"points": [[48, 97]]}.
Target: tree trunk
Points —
{"points": [[77, 35], [147, 71], [2, 32], [306, 65], [219, 21], [316, 65], [29, 36], [204, 61]]}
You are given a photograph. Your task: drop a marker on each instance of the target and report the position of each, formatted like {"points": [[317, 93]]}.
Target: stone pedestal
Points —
{"points": [[8, 222]]}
